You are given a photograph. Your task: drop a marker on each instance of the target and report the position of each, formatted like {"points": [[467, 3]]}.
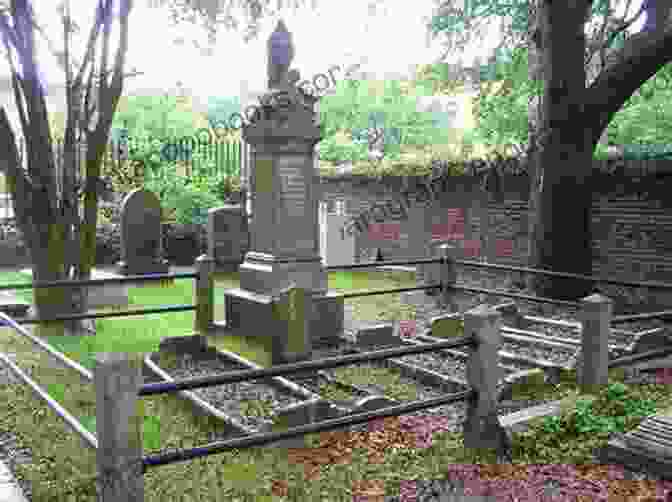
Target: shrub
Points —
{"points": [[188, 198]]}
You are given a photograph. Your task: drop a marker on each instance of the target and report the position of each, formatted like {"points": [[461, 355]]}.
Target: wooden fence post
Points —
{"points": [[592, 367], [118, 428], [204, 294], [482, 428]]}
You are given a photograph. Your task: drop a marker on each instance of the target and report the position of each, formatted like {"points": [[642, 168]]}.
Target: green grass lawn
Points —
{"points": [[141, 334], [65, 469]]}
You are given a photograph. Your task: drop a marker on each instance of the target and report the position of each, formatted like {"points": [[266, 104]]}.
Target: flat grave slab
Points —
{"points": [[105, 295], [647, 447]]}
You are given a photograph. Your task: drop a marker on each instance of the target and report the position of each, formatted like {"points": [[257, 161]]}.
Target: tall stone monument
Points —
{"points": [[284, 231]]}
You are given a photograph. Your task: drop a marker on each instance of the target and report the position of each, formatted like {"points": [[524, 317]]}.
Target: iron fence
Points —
{"points": [[121, 468]]}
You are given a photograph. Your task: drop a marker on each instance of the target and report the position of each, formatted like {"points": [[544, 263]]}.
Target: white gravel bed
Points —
{"points": [[444, 364], [228, 397], [557, 355]]}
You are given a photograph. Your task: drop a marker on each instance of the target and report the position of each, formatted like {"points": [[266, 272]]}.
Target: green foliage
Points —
{"points": [[646, 118], [501, 109], [358, 114], [339, 148], [157, 117], [189, 198], [144, 160], [457, 25], [611, 412]]}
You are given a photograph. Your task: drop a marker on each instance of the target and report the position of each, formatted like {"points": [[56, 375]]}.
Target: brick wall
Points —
{"points": [[631, 221]]}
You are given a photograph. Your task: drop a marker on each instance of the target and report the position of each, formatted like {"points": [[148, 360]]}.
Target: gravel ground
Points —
{"points": [[228, 398]]}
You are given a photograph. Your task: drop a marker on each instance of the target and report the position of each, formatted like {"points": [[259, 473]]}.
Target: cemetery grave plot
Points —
{"points": [[347, 387], [337, 391], [625, 339], [249, 406]]}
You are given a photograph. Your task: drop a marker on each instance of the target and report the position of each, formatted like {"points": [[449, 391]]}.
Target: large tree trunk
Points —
{"points": [[560, 197]]}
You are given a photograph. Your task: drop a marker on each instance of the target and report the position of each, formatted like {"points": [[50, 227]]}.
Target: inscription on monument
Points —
{"points": [[294, 186], [263, 176], [263, 202], [297, 220]]}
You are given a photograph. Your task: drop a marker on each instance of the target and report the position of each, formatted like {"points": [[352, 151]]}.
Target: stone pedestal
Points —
{"points": [[249, 312]]}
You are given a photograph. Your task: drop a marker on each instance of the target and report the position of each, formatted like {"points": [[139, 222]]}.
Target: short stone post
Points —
{"points": [[592, 368], [448, 277], [482, 428], [292, 311], [204, 294], [118, 428]]}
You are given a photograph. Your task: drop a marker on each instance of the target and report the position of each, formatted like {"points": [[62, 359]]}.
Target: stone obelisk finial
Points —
{"points": [[280, 55]]}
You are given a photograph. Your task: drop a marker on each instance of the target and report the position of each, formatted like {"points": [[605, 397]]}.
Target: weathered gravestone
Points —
{"points": [[141, 239], [227, 237]]}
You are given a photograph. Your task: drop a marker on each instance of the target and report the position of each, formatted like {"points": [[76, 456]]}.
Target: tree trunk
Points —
{"points": [[48, 265], [559, 195]]}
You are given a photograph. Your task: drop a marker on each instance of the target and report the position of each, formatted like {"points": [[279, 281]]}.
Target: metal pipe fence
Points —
{"points": [[78, 368], [565, 275], [118, 386], [506, 294], [386, 263], [123, 465], [665, 314], [74, 424], [99, 282], [102, 315], [642, 356], [158, 459], [288, 369]]}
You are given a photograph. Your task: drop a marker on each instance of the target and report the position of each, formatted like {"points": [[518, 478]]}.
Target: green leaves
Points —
{"points": [[190, 198], [501, 108], [614, 410], [373, 115]]}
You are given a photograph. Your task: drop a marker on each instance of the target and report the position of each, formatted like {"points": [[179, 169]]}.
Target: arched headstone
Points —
{"points": [[228, 236], [141, 238]]}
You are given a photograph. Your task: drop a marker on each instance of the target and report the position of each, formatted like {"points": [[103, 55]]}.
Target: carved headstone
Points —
{"points": [[141, 239], [227, 236]]}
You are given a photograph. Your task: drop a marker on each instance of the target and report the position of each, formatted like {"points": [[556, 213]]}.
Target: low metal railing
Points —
{"points": [[122, 466]]}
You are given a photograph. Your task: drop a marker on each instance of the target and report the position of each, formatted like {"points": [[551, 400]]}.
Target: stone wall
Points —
{"points": [[631, 221]]}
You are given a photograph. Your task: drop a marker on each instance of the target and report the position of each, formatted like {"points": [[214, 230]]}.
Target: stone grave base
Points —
{"points": [[248, 312], [105, 295], [143, 267]]}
